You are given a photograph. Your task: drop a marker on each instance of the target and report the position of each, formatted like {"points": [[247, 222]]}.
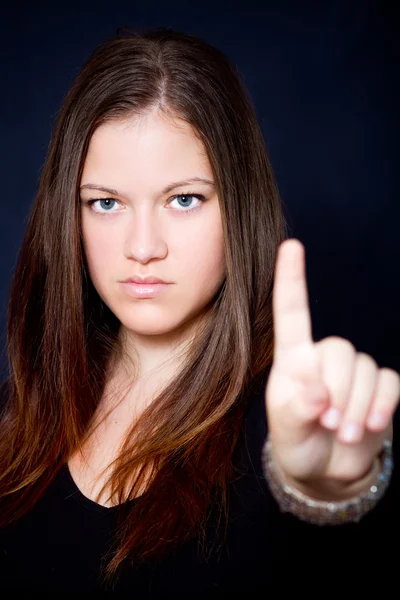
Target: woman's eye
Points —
{"points": [[184, 202], [105, 202], [179, 202]]}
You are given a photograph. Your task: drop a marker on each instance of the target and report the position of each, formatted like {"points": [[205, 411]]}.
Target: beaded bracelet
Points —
{"points": [[321, 512]]}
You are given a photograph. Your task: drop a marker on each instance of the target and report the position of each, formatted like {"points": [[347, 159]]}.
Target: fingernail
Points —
{"points": [[377, 420], [351, 432], [331, 418]]}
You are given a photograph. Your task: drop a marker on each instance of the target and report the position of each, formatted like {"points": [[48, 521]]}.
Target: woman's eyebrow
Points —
{"points": [[176, 184], [169, 188]]}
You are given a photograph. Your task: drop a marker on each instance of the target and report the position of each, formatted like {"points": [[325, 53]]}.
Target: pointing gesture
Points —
{"points": [[329, 408]]}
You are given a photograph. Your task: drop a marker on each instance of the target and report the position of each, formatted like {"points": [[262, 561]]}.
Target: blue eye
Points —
{"points": [[93, 200], [185, 202]]}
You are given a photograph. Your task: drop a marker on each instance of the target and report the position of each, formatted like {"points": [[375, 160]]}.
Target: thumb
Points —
{"points": [[312, 401]]}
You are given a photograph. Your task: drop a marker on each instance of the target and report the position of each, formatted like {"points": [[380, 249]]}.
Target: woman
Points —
{"points": [[147, 346]]}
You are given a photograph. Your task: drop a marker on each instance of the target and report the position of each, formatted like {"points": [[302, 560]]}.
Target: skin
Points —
{"points": [[142, 230], [148, 235], [329, 408]]}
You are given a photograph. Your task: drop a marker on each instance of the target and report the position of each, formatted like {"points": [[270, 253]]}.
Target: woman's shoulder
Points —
{"points": [[255, 427], [256, 414]]}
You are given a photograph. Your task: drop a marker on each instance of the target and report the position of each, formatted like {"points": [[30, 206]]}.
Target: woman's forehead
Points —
{"points": [[156, 152]]}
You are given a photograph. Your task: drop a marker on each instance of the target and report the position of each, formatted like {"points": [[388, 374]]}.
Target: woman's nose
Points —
{"points": [[145, 236]]}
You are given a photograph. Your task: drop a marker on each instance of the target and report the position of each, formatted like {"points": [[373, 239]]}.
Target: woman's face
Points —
{"points": [[137, 228]]}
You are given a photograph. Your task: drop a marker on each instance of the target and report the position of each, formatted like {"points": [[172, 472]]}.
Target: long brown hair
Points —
{"points": [[61, 337]]}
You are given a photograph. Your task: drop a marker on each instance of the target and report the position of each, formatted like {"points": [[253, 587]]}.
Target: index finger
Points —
{"points": [[292, 319]]}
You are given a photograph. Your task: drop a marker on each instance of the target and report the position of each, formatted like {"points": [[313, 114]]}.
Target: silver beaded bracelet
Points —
{"points": [[321, 512]]}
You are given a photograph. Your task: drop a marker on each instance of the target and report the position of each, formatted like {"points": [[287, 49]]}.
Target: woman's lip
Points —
{"points": [[149, 280], [144, 290]]}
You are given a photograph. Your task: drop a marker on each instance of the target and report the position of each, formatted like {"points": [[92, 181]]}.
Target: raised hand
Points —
{"points": [[329, 408]]}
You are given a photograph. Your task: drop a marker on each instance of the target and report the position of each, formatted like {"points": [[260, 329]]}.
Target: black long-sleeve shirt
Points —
{"points": [[55, 551]]}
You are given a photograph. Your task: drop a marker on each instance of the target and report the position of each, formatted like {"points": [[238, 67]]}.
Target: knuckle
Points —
{"points": [[345, 345], [391, 375], [335, 340], [367, 360]]}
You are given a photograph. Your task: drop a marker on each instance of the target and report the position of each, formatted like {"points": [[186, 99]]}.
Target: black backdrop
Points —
{"points": [[324, 79]]}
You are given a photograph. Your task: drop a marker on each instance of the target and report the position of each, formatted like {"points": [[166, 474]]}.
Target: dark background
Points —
{"points": [[324, 80]]}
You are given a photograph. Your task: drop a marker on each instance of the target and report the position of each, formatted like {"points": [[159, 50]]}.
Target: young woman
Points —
{"points": [[158, 316]]}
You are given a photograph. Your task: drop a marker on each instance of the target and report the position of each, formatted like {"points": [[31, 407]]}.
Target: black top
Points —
{"points": [[55, 551]]}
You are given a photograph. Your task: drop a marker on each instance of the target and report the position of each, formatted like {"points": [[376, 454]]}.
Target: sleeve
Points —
{"points": [[329, 553], [356, 550]]}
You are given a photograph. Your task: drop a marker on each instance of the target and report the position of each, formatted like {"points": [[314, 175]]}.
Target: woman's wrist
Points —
{"points": [[330, 490], [361, 496]]}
